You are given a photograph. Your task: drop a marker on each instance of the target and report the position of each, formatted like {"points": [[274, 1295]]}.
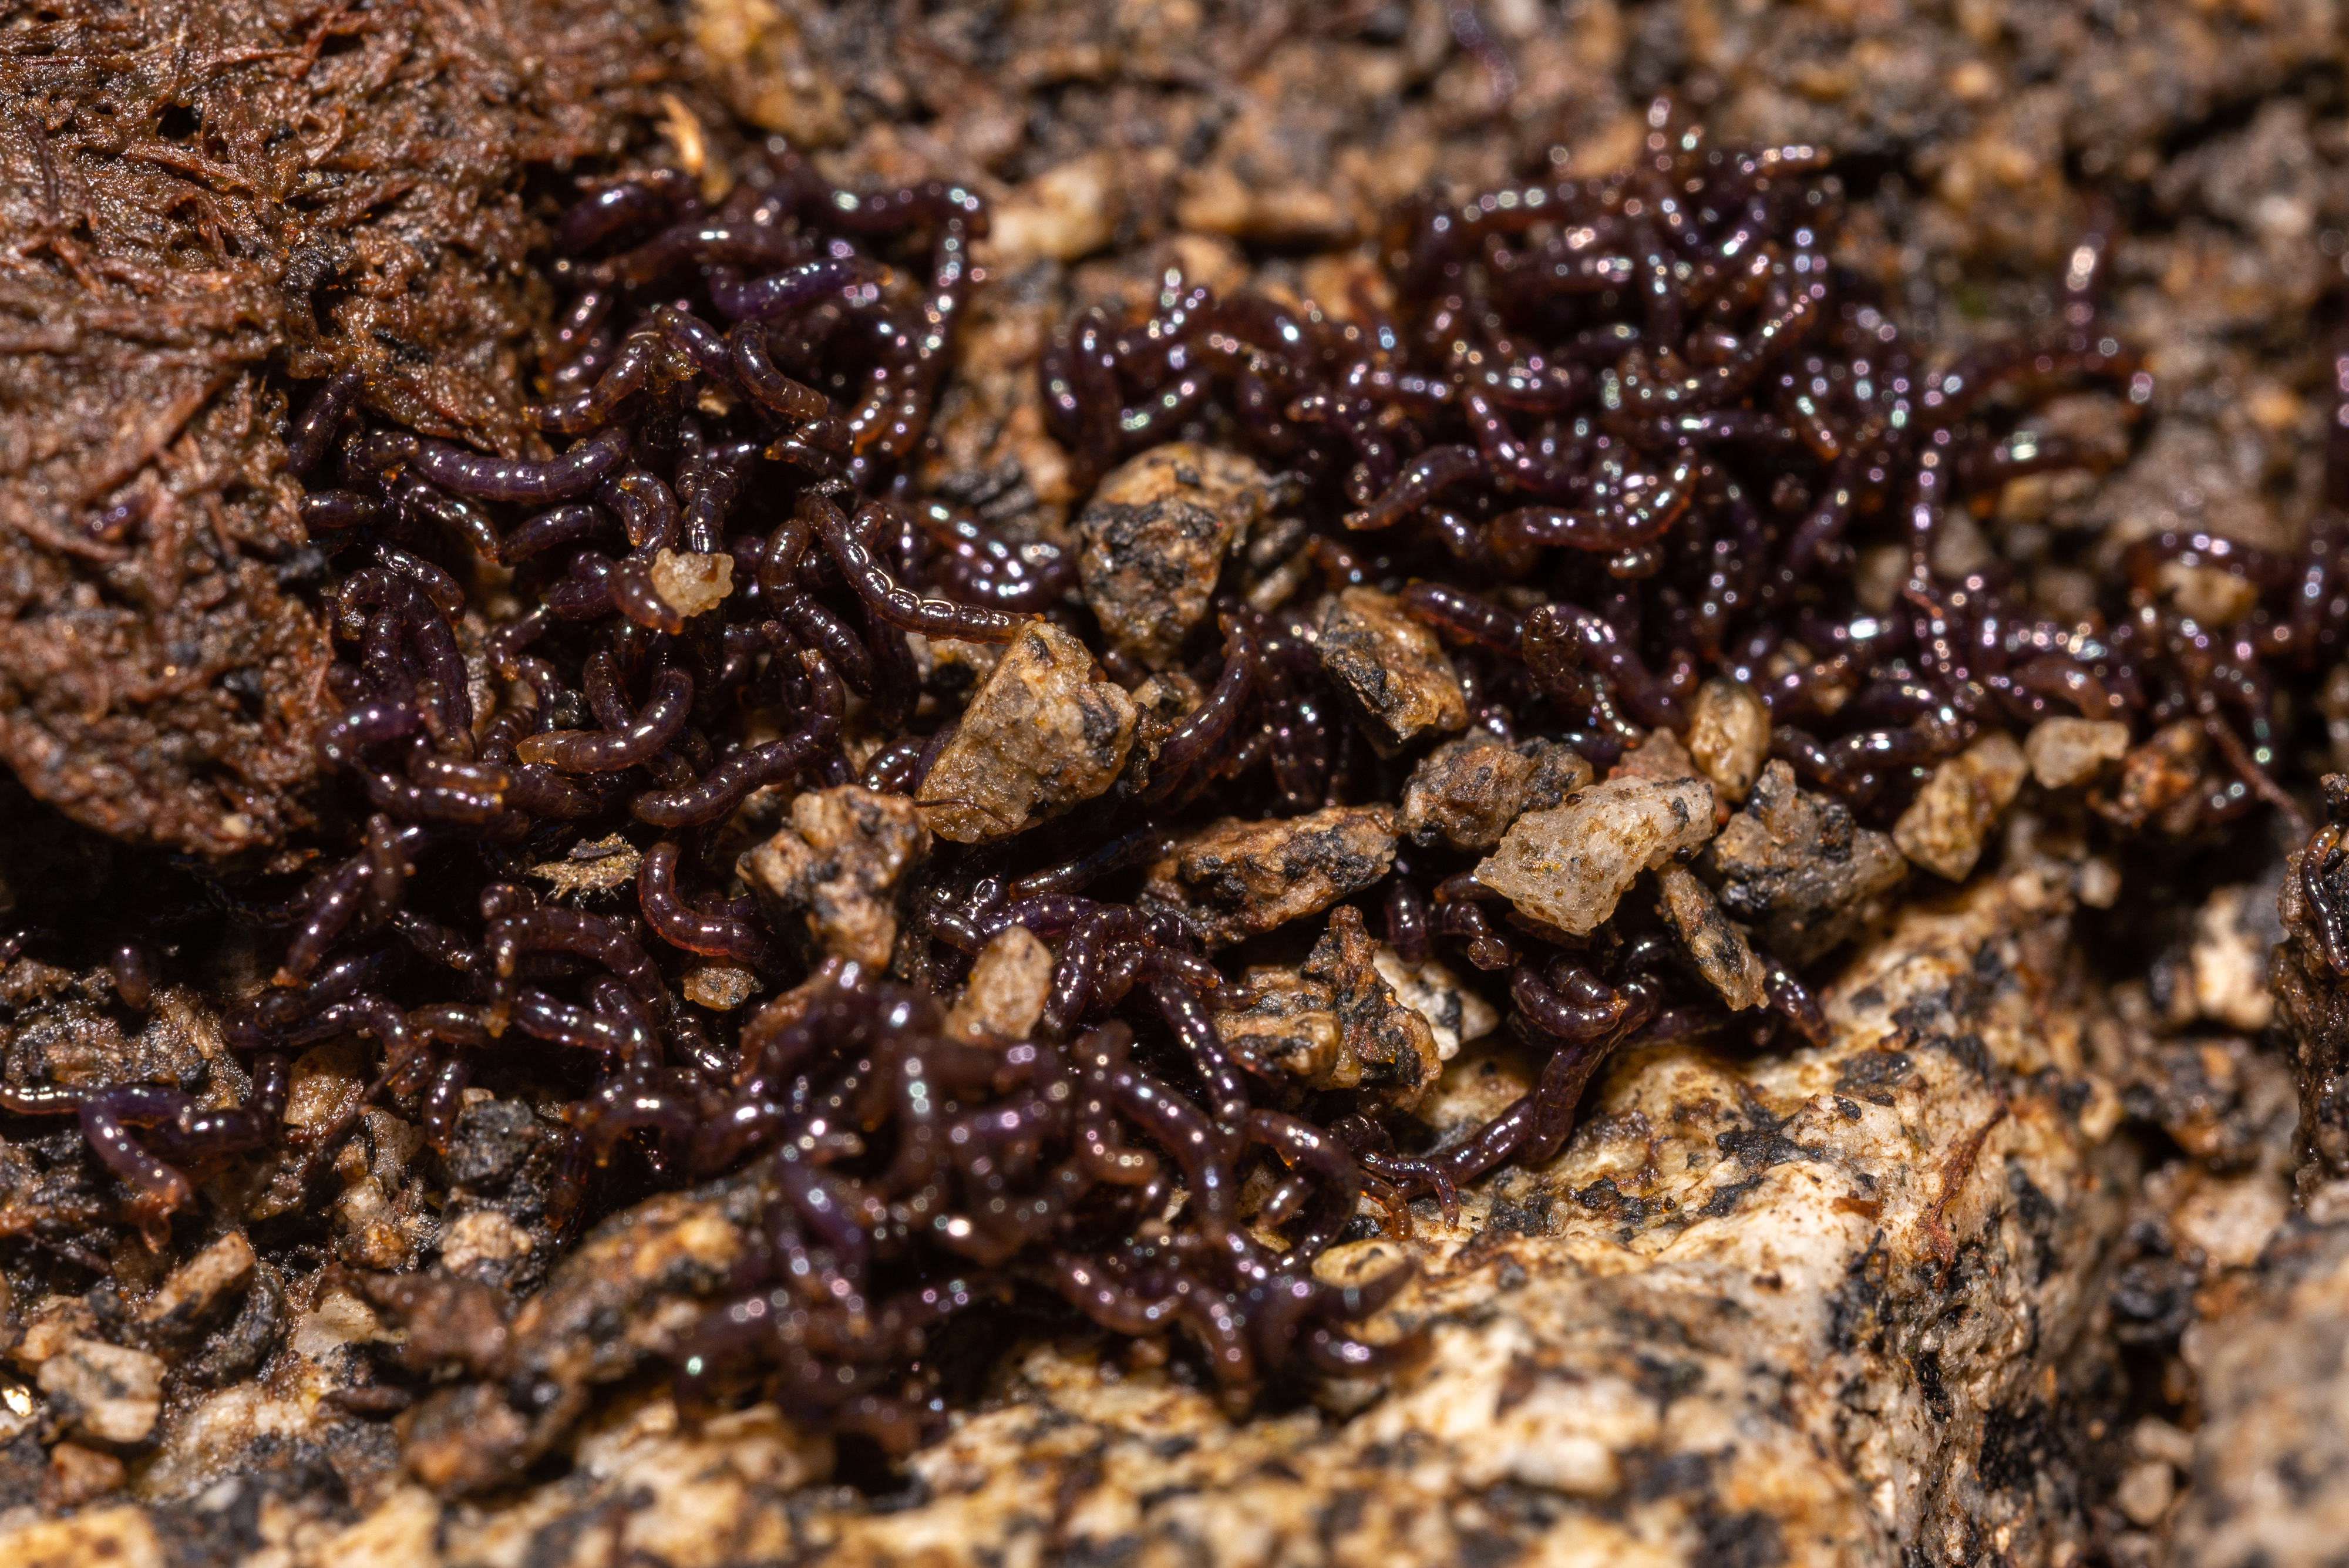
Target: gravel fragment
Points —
{"points": [[1236, 878], [1722, 953], [1336, 1022], [192, 1291], [1456, 1014], [2159, 782], [1389, 670], [1944, 827], [107, 1391], [1798, 867], [689, 583], [1465, 793], [1729, 736], [835, 878], [1153, 540], [2067, 751], [2233, 932], [1010, 983], [1568, 866], [1041, 736]]}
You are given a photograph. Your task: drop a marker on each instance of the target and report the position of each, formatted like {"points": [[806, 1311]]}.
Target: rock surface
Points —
{"points": [[1801, 1308], [1465, 793]]}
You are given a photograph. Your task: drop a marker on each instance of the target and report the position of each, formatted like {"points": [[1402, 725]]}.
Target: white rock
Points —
{"points": [[1729, 736], [2066, 751]]}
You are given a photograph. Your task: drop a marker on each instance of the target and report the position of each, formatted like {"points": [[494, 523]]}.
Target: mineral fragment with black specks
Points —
{"points": [[1567, 866], [636, 1280], [1796, 868], [1724, 955], [1153, 538], [1389, 670], [1236, 878], [1041, 736], [1465, 793], [833, 879], [1335, 1022]]}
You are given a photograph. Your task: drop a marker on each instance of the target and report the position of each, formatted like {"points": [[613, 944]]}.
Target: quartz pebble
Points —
{"points": [[1944, 827], [1389, 670], [1009, 981], [1153, 538], [1729, 736], [1568, 866], [690, 584], [1041, 736], [1236, 878], [1465, 793], [831, 880], [2067, 751], [1456, 1014]]}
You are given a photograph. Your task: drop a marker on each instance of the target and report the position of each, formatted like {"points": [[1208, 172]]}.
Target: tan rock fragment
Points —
{"points": [[1153, 538], [1391, 1045], [1568, 866], [1289, 1025], [1723, 954], [1068, 211], [1335, 1022], [1009, 981], [192, 1291], [121, 1537], [690, 583], [1659, 756], [1944, 827], [1389, 670], [2233, 932], [1456, 1014], [1799, 871], [81, 1474], [2213, 596], [1040, 737], [832, 880], [596, 868], [2067, 751], [107, 1391], [1729, 736], [1465, 793], [2159, 781], [719, 986], [1234, 879]]}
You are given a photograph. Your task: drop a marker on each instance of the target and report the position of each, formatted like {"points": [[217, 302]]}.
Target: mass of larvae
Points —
{"points": [[1607, 437]]}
